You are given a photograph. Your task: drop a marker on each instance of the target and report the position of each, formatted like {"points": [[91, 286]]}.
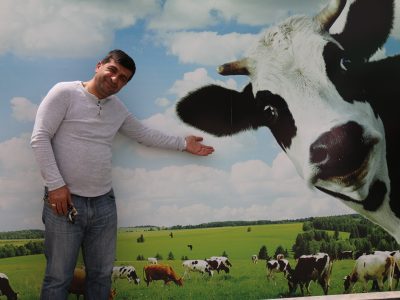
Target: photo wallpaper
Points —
{"points": [[304, 137]]}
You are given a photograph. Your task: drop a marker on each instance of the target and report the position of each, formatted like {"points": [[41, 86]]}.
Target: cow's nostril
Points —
{"points": [[319, 154], [340, 151]]}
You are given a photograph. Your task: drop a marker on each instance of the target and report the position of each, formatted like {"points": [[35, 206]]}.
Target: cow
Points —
{"points": [[317, 267], [224, 259], [197, 265], [161, 272], [280, 256], [127, 272], [254, 258], [348, 254], [396, 271], [371, 267], [77, 285], [217, 265], [327, 105], [152, 260], [5, 288], [278, 266]]}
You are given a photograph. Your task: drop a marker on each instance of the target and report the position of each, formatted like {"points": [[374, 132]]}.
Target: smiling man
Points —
{"points": [[72, 138]]}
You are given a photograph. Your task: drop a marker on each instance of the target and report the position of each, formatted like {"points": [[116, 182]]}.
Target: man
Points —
{"points": [[72, 137]]}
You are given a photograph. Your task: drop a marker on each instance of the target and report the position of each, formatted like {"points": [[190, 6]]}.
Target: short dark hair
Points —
{"points": [[122, 58]]}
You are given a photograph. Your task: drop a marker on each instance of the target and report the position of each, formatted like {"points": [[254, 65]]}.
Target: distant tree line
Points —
{"points": [[22, 234], [32, 247], [237, 223]]}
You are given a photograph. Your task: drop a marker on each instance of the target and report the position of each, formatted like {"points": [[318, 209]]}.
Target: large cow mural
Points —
{"points": [[328, 106]]}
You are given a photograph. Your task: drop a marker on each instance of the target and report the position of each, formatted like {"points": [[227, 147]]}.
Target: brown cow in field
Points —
{"points": [[77, 286], [161, 272]]}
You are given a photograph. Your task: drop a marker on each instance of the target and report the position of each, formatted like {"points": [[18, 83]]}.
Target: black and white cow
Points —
{"points": [[329, 108], [278, 266], [196, 265], [309, 268], [224, 259], [5, 288], [371, 267], [254, 258], [217, 265], [127, 272]]}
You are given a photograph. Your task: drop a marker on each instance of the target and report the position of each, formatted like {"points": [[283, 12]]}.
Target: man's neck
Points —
{"points": [[90, 87]]}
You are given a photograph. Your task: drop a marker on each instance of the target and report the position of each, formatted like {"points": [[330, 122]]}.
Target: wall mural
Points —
{"points": [[299, 197]]}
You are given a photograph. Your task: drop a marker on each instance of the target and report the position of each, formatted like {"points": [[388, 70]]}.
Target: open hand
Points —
{"points": [[194, 146]]}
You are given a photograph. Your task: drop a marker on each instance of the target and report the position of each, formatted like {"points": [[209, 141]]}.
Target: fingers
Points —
{"points": [[205, 150], [59, 200]]}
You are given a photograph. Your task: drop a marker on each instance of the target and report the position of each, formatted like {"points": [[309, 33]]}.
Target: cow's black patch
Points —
{"points": [[282, 265], [373, 201], [367, 27], [275, 114]]}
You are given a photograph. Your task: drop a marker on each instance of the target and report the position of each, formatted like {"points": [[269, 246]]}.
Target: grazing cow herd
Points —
{"points": [[381, 267]]}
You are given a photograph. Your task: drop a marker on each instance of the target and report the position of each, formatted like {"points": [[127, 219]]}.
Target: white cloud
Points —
{"points": [[182, 14], [196, 79], [207, 48], [61, 28], [23, 109], [163, 102], [195, 194], [21, 185]]}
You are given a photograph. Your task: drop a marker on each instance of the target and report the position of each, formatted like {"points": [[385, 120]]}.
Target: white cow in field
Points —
{"points": [[127, 272], [254, 259], [152, 260], [371, 267], [196, 265]]}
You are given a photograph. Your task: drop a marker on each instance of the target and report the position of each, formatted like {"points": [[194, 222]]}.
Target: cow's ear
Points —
{"points": [[368, 25], [218, 110]]}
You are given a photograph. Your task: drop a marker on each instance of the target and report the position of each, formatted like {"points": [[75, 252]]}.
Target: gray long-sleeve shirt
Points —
{"points": [[73, 134]]}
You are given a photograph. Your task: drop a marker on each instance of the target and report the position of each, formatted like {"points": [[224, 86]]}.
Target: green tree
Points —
{"points": [[170, 256], [263, 253]]}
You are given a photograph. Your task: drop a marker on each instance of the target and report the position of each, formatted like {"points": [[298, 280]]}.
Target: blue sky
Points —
{"points": [[177, 46]]}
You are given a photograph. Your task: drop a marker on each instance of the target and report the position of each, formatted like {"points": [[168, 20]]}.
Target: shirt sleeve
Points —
{"points": [[147, 136], [50, 114]]}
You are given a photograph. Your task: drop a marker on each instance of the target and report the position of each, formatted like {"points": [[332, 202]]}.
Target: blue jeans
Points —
{"points": [[95, 230]]}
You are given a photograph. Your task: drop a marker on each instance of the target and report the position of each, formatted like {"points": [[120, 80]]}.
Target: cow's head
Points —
{"points": [[303, 88], [133, 276]]}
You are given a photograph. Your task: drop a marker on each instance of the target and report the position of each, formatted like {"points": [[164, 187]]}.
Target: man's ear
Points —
{"points": [[98, 65]]}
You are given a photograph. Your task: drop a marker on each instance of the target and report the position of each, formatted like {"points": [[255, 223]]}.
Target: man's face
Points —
{"points": [[110, 78]]}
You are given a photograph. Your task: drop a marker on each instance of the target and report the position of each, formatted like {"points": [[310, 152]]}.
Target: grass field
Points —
{"points": [[245, 281]]}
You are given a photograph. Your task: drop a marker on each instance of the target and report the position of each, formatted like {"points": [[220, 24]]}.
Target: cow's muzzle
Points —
{"points": [[342, 154]]}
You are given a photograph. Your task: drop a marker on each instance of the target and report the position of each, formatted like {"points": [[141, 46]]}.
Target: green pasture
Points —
{"points": [[237, 242], [245, 281]]}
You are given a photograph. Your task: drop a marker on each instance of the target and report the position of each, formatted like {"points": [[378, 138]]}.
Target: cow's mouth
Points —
{"points": [[372, 202]]}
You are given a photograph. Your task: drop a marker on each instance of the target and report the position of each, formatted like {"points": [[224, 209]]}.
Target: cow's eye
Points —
{"points": [[345, 63], [271, 113]]}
